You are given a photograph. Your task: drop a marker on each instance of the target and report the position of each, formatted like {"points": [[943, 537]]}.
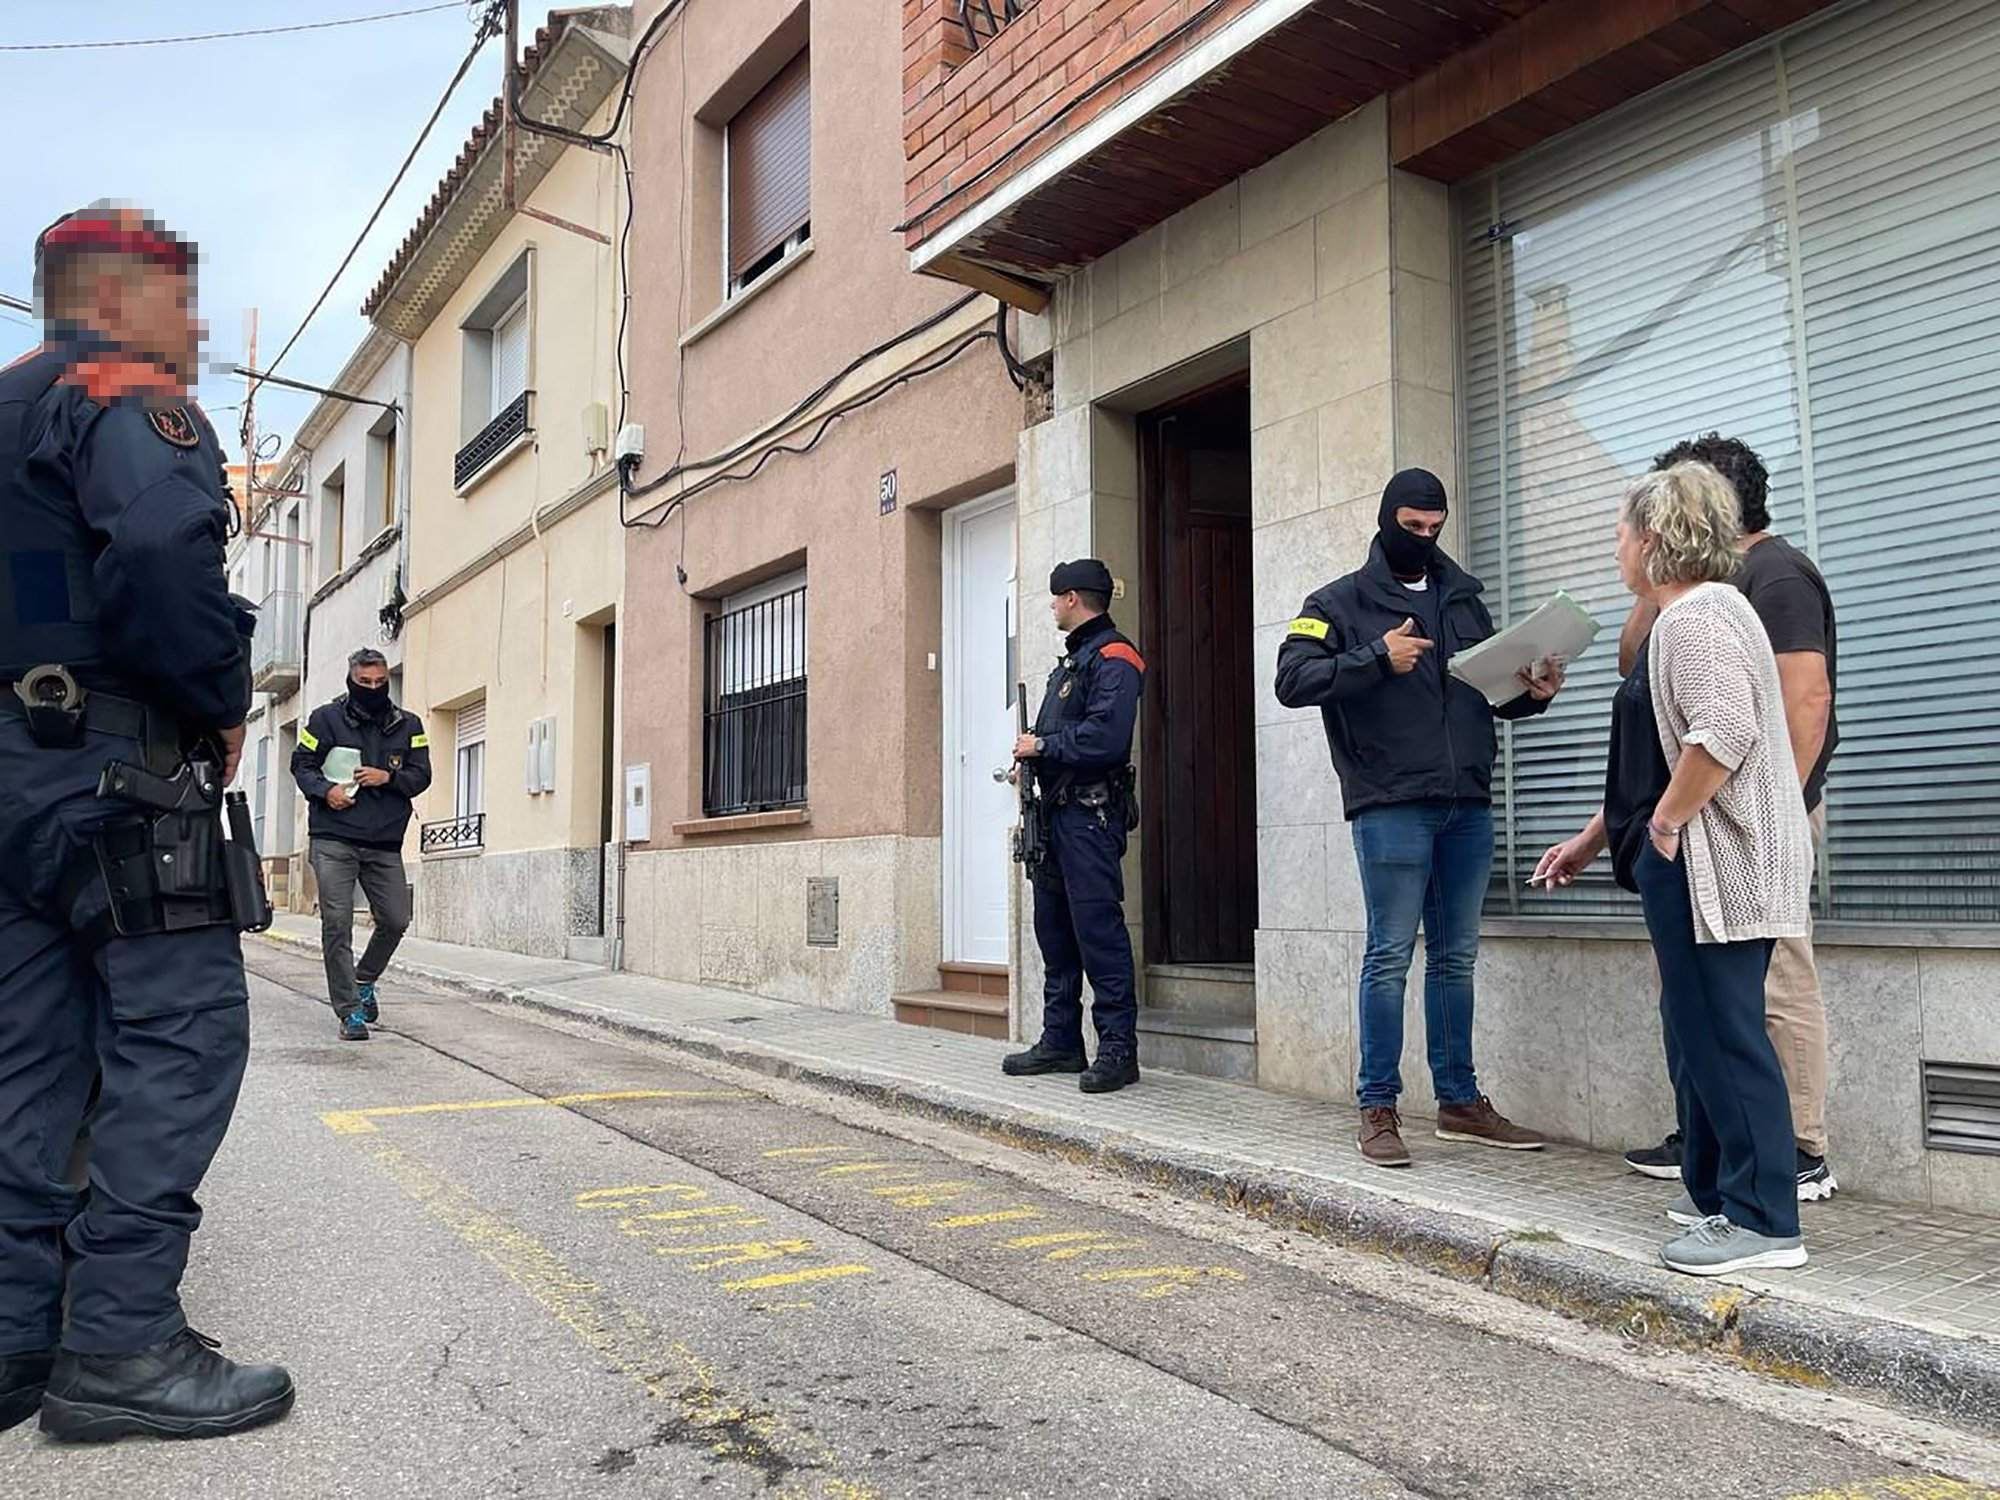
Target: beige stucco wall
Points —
{"points": [[874, 591], [1338, 273], [519, 619]]}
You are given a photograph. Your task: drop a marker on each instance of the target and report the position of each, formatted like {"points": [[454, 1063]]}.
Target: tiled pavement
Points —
{"points": [[1925, 1268]]}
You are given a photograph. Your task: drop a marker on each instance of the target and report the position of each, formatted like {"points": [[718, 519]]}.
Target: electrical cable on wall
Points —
{"points": [[489, 27]]}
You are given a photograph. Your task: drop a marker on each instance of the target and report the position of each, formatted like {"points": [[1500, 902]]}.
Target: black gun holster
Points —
{"points": [[164, 865]]}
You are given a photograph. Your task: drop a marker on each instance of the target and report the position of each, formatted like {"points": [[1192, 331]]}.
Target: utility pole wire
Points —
{"points": [[223, 36], [488, 25]]}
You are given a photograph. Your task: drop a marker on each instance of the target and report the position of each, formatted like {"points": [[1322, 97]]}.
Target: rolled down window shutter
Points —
{"points": [[770, 167], [1801, 248], [472, 723], [510, 358]]}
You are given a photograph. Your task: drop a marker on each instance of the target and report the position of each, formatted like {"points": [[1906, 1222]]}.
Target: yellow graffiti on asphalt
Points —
{"points": [[739, 1252], [362, 1121], [808, 1151], [666, 1369], [979, 1221], [1906, 1487], [793, 1278], [1166, 1280]]}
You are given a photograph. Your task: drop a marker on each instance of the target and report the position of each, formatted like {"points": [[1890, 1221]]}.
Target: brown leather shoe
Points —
{"points": [[1483, 1125], [1381, 1139]]}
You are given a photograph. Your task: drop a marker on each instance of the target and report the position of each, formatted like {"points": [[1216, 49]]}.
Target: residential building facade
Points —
{"points": [[1292, 246], [506, 291], [820, 555]]}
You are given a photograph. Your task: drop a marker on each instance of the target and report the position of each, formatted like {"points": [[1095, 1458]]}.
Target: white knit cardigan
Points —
{"points": [[1749, 853]]}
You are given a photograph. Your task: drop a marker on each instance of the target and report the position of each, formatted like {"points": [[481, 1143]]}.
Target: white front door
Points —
{"points": [[979, 728]]}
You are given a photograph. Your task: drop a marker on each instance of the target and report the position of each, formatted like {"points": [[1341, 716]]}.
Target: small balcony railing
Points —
{"points": [[453, 835], [983, 20], [492, 440], [277, 650]]}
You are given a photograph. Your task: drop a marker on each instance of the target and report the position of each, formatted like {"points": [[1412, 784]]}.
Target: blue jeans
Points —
{"points": [[1428, 862]]}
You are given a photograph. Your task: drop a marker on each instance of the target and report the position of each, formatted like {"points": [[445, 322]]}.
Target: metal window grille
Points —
{"points": [[985, 19], [1962, 1108], [754, 707], [452, 834], [492, 440]]}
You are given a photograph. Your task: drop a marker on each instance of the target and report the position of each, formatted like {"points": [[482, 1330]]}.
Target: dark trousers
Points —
{"points": [[1737, 1151], [338, 868], [158, 1024], [1080, 926]]}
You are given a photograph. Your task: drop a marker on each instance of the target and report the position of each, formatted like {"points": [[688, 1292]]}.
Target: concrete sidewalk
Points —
{"points": [[1898, 1302]]}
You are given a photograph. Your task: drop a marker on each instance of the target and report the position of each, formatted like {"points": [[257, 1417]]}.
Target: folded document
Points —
{"points": [[1560, 630]]}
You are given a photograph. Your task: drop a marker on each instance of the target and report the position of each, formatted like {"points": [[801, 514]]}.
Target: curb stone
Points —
{"points": [[1931, 1374]]}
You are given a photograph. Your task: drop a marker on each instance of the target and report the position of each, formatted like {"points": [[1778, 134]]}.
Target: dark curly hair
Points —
{"points": [[1738, 463]]}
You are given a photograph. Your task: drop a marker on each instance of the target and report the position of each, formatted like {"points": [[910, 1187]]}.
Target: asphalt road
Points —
{"points": [[504, 1258]]}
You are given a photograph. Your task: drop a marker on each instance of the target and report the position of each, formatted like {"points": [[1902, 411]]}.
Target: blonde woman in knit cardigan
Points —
{"points": [[1704, 820]]}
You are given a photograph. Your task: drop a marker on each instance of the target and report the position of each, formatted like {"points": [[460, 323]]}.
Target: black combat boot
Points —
{"points": [[179, 1389], [1043, 1057], [22, 1377], [1114, 1069]]}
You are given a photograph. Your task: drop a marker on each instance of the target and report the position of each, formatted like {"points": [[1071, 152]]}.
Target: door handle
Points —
{"points": [[1001, 773]]}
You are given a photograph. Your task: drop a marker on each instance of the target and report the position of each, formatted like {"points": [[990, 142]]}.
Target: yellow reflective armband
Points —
{"points": [[420, 742], [1307, 625], [307, 739]]}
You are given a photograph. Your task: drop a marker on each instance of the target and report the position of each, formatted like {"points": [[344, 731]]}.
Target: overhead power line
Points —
{"points": [[489, 26], [223, 36]]}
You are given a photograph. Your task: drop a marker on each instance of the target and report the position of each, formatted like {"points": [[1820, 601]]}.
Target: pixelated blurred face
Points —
{"points": [[155, 318]]}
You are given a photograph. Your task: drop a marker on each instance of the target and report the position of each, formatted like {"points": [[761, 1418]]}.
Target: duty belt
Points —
{"points": [[104, 712]]}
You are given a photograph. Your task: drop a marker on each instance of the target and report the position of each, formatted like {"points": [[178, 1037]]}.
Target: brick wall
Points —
{"points": [[965, 111]]}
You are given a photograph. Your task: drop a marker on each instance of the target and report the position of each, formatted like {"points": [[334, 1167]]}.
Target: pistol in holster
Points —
{"points": [[167, 868]]}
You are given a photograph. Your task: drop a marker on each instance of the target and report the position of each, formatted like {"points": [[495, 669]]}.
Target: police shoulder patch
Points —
{"points": [[308, 739], [1307, 625], [175, 424], [420, 741]]}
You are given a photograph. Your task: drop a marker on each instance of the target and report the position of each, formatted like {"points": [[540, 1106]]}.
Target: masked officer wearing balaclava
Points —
{"points": [[357, 826], [1080, 755], [1414, 750]]}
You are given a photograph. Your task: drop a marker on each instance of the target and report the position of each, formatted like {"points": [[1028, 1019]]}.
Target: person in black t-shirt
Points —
{"points": [[1792, 600]]}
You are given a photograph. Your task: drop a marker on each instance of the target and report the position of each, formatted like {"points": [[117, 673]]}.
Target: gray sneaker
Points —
{"points": [[1683, 1212], [1716, 1247]]}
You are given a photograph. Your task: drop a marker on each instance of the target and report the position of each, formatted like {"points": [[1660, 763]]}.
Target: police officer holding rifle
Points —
{"points": [[124, 682], [1072, 839]]}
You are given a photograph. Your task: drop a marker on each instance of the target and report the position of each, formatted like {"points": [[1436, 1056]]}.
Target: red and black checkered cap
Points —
{"points": [[107, 228]]}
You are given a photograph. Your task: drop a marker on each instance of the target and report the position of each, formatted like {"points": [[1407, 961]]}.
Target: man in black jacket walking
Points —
{"points": [[1414, 750], [357, 827]]}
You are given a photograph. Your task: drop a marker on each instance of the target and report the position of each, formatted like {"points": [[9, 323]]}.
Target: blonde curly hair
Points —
{"points": [[1692, 514]]}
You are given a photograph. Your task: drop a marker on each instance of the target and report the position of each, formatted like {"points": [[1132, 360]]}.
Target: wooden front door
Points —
{"points": [[1200, 754]]}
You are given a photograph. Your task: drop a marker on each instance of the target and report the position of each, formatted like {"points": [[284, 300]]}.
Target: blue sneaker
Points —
{"points": [[370, 1011], [354, 1028]]}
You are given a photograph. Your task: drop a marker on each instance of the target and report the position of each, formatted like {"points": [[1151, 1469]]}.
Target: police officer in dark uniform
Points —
{"points": [[124, 663], [1080, 757]]}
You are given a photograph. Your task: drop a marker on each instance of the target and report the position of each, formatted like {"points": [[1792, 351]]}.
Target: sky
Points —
{"points": [[269, 152]]}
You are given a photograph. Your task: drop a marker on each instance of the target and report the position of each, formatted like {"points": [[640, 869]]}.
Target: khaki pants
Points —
{"points": [[1795, 1020]]}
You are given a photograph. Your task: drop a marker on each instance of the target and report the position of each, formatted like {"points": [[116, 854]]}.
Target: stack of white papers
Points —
{"points": [[1561, 630], [341, 762]]}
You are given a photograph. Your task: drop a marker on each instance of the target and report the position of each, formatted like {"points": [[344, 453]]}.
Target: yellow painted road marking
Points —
{"points": [[362, 1121], [1168, 1279], [1066, 1237], [665, 1369], [619, 1197], [1094, 1247], [855, 1169], [741, 1253], [898, 1189], [794, 1278], [973, 1221], [1907, 1487], [809, 1151], [706, 1211]]}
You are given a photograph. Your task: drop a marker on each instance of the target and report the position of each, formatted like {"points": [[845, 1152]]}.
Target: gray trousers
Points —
{"points": [[338, 867]]}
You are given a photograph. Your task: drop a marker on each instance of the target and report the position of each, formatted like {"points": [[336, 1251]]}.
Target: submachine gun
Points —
{"points": [[1031, 838]]}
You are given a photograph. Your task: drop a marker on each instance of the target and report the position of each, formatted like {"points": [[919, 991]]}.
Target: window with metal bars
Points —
{"points": [[754, 702]]}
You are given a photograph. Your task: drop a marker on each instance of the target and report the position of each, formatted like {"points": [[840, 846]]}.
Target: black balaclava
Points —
{"points": [[372, 702], [1408, 554]]}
